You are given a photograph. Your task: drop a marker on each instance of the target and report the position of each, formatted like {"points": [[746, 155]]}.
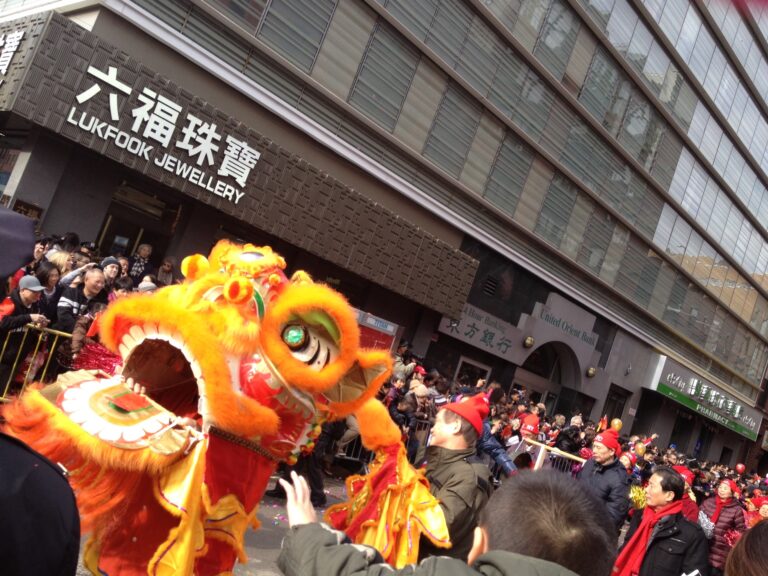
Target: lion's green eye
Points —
{"points": [[295, 336]]}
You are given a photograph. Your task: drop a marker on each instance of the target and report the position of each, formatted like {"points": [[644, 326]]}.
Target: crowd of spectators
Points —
{"points": [[64, 286]]}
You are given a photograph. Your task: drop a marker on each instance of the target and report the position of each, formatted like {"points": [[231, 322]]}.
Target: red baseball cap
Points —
{"points": [[474, 410], [610, 439], [530, 424], [420, 370], [685, 473]]}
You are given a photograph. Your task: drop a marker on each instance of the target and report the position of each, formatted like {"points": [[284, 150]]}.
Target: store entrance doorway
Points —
{"points": [[135, 217], [469, 371]]}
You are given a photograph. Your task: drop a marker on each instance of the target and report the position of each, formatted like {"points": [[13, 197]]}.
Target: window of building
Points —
{"points": [[600, 86], [534, 105], [453, 130], [558, 36], [296, 28], [449, 29], [245, 13], [597, 238], [508, 83], [621, 25], [556, 210], [416, 16], [384, 77], [509, 173], [480, 56]]}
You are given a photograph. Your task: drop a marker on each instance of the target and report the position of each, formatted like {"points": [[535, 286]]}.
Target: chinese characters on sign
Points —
{"points": [[705, 398], [159, 127], [481, 330], [9, 44]]}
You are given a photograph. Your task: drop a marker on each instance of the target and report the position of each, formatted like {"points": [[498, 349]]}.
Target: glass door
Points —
{"points": [[469, 371]]}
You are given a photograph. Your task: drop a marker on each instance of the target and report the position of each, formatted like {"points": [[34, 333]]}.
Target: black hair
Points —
{"points": [[432, 376], [44, 270], [750, 554], [123, 283], [495, 396], [546, 515], [70, 242], [442, 385], [467, 431], [671, 481]]}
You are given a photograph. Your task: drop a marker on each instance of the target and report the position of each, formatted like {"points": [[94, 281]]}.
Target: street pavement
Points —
{"points": [[263, 546]]}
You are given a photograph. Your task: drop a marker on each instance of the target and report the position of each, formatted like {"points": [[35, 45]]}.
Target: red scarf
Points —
{"points": [[719, 505], [631, 557]]}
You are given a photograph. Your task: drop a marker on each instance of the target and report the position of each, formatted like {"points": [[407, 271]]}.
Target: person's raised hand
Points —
{"points": [[298, 505]]}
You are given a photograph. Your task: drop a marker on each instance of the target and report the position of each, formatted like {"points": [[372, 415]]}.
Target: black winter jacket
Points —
{"points": [[316, 550], [677, 547], [611, 485], [462, 484], [12, 326], [488, 444]]}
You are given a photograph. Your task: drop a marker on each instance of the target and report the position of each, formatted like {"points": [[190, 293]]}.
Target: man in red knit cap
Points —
{"points": [[606, 477], [456, 476]]}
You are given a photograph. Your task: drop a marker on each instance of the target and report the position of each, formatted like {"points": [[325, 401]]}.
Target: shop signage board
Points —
{"points": [[376, 332], [483, 330], [162, 131], [703, 397], [67, 80]]}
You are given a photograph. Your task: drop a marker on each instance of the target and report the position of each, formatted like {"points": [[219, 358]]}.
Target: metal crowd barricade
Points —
{"points": [[354, 451], [547, 457], [43, 335]]}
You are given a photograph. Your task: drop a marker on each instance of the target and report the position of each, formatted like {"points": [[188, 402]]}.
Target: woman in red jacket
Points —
{"points": [[725, 512]]}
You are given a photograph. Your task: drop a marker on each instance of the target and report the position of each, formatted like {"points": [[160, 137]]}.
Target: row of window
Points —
{"points": [[466, 43], [610, 96], [760, 16], [626, 113], [736, 32], [457, 119], [683, 26]]}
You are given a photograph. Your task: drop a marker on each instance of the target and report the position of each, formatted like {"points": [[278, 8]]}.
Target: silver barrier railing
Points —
{"points": [[45, 337]]}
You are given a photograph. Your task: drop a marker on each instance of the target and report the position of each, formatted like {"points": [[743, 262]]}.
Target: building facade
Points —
{"points": [[569, 195]]}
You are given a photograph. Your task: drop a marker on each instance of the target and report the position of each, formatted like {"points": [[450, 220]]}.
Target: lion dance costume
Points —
{"points": [[241, 366]]}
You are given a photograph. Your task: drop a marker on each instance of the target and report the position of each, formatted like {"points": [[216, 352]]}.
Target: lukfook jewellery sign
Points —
{"points": [[161, 132]]}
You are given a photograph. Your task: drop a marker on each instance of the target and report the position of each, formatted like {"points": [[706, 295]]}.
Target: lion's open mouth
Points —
{"points": [[164, 365]]}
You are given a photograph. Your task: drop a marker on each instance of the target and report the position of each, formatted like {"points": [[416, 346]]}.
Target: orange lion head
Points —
{"points": [[243, 348]]}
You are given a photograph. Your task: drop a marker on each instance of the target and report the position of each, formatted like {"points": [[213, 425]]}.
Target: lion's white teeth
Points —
{"points": [[138, 333], [124, 351], [196, 369], [150, 330], [129, 341]]}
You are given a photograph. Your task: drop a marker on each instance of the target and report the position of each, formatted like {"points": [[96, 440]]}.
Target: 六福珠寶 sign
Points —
{"points": [[153, 136]]}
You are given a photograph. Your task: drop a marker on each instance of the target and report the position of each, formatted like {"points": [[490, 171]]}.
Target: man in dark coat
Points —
{"points": [[606, 477], [16, 311], [457, 477], [39, 523], [536, 524], [660, 541]]}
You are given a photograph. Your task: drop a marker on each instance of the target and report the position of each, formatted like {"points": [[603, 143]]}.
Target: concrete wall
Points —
{"points": [[177, 68], [82, 196]]}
